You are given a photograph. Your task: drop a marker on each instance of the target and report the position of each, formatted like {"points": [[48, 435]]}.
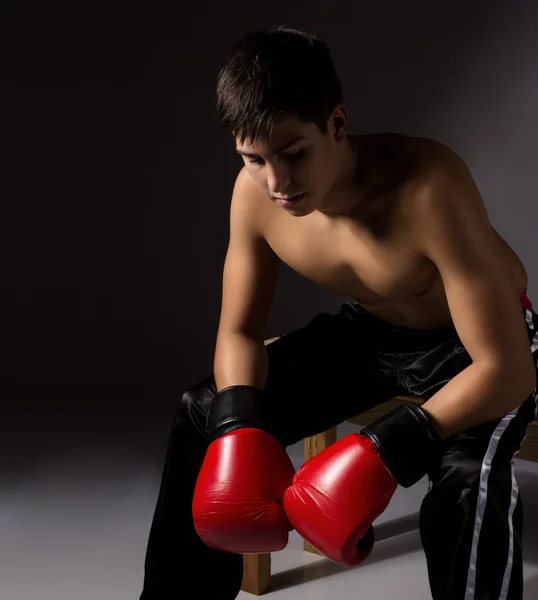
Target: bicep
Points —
{"points": [[456, 235]]}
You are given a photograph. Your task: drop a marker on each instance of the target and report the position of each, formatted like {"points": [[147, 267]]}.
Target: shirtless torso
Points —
{"points": [[370, 256]]}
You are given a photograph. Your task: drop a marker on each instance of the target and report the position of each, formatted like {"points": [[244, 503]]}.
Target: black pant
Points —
{"points": [[336, 367]]}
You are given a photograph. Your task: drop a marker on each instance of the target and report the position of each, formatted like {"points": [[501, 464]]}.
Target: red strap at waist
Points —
{"points": [[525, 302]]}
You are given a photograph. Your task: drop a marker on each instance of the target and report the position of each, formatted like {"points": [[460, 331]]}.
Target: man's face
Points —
{"points": [[297, 160]]}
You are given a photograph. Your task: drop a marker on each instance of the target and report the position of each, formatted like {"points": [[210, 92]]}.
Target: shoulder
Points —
{"points": [[441, 181], [250, 205], [445, 213]]}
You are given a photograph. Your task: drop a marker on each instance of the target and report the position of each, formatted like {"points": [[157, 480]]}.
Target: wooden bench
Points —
{"points": [[257, 567]]}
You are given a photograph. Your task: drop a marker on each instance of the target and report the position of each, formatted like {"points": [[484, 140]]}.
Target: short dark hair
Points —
{"points": [[274, 73]]}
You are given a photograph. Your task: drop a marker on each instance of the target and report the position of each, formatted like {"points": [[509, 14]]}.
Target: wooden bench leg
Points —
{"points": [[256, 573], [312, 446], [257, 567]]}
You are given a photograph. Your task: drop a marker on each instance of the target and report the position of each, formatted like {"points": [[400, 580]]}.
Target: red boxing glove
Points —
{"points": [[237, 503], [337, 494], [335, 497]]}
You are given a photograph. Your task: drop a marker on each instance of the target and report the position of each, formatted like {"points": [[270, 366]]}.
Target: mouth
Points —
{"points": [[290, 200]]}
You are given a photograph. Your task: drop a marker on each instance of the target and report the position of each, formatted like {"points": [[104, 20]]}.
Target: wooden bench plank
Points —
{"points": [[529, 448], [369, 416]]}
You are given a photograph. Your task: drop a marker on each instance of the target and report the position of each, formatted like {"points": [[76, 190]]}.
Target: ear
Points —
{"points": [[338, 122]]}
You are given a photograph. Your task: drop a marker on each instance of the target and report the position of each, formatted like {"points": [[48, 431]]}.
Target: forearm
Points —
{"points": [[477, 395], [239, 360]]}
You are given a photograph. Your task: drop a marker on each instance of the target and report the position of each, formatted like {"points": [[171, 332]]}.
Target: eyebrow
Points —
{"points": [[284, 147]]}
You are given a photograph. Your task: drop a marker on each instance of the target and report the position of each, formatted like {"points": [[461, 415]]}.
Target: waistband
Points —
{"points": [[448, 331], [525, 302]]}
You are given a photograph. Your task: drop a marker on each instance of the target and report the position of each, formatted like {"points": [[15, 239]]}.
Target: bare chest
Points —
{"points": [[373, 267]]}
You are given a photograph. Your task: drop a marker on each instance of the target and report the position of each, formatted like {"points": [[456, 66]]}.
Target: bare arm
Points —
{"points": [[453, 231], [249, 280]]}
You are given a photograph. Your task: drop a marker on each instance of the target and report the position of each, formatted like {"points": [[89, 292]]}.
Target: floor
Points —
{"points": [[396, 568], [71, 533]]}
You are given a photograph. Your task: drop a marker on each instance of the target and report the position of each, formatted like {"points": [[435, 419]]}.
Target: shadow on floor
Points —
{"points": [[325, 567], [402, 544]]}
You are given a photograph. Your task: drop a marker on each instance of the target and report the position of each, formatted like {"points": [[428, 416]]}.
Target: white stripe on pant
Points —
{"points": [[483, 494]]}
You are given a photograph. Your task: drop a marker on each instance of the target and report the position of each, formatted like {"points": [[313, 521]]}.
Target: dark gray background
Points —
{"points": [[116, 181]]}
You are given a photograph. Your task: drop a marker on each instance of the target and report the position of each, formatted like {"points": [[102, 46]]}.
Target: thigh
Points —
{"points": [[484, 449], [322, 374], [471, 517]]}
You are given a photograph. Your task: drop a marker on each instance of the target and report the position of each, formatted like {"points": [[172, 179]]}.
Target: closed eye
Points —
{"points": [[290, 156], [295, 155]]}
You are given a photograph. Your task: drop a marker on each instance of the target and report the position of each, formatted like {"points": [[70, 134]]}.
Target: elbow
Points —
{"points": [[521, 382], [528, 382], [526, 376], [514, 383], [515, 388]]}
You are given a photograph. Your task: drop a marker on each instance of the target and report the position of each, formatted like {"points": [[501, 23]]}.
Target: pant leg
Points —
{"points": [[471, 518], [472, 515], [178, 564], [318, 376]]}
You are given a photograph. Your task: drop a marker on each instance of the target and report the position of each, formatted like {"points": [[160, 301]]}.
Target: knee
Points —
{"points": [[194, 405]]}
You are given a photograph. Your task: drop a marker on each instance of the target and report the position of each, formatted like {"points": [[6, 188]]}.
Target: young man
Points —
{"points": [[439, 311]]}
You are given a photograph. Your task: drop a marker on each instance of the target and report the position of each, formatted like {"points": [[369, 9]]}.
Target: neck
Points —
{"points": [[345, 192]]}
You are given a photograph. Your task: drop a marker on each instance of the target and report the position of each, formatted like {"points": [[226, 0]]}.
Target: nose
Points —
{"points": [[278, 179]]}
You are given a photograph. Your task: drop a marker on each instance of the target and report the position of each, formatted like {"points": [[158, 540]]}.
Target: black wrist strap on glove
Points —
{"points": [[236, 407], [406, 438]]}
